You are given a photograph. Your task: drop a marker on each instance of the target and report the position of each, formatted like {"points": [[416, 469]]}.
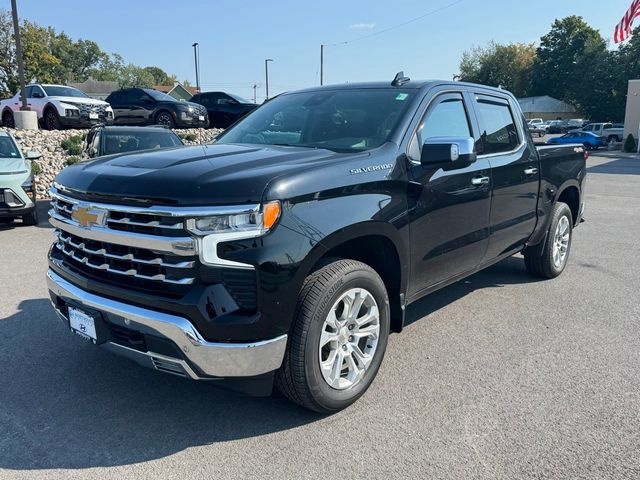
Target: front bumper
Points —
{"points": [[189, 120], [198, 358], [83, 121]]}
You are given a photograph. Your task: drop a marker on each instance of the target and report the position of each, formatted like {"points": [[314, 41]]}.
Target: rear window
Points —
{"points": [[122, 142], [497, 127]]}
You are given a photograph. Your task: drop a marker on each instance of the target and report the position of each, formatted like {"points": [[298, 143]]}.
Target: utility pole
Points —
{"points": [[16, 34], [266, 77], [255, 87], [321, 64], [196, 58]]}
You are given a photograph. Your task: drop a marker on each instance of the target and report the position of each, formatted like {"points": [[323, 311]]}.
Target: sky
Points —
{"points": [[236, 36]]}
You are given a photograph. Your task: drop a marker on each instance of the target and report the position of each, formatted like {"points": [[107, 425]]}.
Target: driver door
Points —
{"points": [[448, 208]]}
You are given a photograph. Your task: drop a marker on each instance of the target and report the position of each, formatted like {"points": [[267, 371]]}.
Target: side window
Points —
{"points": [[136, 95], [28, 92], [447, 118], [497, 127]]}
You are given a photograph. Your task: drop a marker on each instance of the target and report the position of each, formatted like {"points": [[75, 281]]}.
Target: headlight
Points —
{"points": [[221, 228], [251, 223], [71, 112]]}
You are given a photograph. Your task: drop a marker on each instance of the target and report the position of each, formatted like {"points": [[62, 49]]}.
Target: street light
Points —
{"points": [[266, 77], [196, 58]]}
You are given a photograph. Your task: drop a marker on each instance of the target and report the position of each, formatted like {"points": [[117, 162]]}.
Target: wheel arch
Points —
{"points": [[569, 193], [376, 244]]}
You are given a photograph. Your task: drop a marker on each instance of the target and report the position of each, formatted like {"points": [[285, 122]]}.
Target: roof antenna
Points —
{"points": [[400, 80]]}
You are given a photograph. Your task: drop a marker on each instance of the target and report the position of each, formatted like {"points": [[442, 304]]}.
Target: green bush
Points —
{"points": [[72, 160], [36, 169], [630, 144], [188, 137], [73, 144]]}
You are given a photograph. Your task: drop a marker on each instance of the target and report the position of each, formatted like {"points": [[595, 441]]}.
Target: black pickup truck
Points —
{"points": [[287, 251]]}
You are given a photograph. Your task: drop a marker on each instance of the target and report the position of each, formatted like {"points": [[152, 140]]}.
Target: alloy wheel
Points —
{"points": [[349, 338], [561, 242]]}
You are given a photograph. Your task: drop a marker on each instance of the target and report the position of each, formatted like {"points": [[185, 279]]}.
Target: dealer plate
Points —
{"points": [[93, 116], [82, 324], [201, 118]]}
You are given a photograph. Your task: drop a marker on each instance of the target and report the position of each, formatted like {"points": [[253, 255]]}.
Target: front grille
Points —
{"points": [[199, 110], [145, 249], [86, 108], [129, 222], [140, 264]]}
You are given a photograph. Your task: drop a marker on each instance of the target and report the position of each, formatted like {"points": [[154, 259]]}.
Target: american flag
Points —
{"points": [[623, 29]]}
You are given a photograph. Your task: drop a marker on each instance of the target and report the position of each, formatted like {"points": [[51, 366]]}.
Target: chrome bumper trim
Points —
{"points": [[184, 246], [212, 359]]}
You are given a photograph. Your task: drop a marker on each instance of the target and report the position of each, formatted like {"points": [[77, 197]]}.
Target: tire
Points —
{"points": [[301, 377], [541, 260], [31, 219], [51, 120], [164, 118], [8, 120]]}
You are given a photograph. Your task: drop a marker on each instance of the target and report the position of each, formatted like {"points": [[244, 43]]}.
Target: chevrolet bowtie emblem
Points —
{"points": [[87, 217]]}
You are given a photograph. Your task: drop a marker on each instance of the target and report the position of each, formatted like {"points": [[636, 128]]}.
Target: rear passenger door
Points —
{"points": [[511, 154]]}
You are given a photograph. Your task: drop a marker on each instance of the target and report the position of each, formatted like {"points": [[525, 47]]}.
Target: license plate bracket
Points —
{"points": [[88, 325]]}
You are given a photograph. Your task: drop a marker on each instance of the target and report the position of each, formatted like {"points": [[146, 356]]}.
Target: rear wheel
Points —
{"points": [[549, 259], [52, 120], [338, 339], [7, 120]]}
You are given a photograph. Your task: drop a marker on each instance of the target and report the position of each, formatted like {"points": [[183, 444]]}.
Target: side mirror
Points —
{"points": [[33, 155], [448, 151]]}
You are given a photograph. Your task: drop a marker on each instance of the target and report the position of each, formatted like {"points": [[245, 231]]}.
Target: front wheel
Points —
{"points": [[338, 338], [52, 120], [166, 119], [549, 259]]}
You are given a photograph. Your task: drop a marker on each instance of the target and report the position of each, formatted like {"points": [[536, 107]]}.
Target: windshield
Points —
{"points": [[8, 148], [122, 142], [64, 92], [156, 95], [346, 120]]}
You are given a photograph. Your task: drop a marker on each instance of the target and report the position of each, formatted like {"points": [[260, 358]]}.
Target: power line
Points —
{"points": [[432, 12]]}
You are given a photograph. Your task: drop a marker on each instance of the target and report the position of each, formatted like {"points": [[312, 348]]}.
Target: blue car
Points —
{"points": [[588, 139]]}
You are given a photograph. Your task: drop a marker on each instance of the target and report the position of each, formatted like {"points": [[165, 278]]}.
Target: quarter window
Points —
{"points": [[497, 127]]}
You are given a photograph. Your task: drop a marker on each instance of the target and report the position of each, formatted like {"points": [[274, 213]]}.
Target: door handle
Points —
{"points": [[530, 171], [477, 181]]}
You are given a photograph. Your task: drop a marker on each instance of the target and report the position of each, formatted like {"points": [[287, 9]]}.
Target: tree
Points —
{"points": [[39, 62], [508, 66], [160, 77], [8, 69], [134, 76], [572, 64]]}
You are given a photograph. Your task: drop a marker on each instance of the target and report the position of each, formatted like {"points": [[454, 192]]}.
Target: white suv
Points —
{"points": [[58, 106]]}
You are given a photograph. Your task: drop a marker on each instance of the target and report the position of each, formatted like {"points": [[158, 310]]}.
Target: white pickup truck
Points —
{"points": [[611, 132], [58, 106]]}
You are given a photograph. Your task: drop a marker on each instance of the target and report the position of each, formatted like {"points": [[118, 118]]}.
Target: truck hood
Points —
{"points": [[86, 101], [198, 175], [13, 166]]}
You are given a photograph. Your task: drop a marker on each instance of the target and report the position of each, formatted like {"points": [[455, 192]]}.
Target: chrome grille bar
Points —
{"points": [[130, 273], [128, 257], [183, 246]]}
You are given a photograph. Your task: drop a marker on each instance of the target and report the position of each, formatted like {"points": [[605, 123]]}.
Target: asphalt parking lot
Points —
{"points": [[498, 376]]}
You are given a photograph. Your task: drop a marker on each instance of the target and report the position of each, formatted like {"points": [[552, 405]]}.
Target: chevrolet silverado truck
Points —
{"points": [[287, 251]]}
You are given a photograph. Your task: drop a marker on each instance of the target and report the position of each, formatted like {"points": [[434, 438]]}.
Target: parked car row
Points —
{"points": [[60, 106]]}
